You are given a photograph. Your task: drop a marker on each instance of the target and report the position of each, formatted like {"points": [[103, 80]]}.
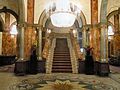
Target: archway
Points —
{"points": [[8, 43]]}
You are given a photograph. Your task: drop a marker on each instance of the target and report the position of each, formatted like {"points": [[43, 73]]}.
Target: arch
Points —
{"points": [[111, 14], [4, 9], [43, 18]]}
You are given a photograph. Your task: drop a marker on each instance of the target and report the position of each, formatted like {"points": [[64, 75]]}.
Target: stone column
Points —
{"points": [[21, 64], [39, 44], [0, 43], [84, 40], [21, 42], [103, 66], [104, 44], [41, 63]]}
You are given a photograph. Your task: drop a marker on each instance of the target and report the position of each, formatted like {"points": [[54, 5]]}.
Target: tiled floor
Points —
{"points": [[8, 81]]}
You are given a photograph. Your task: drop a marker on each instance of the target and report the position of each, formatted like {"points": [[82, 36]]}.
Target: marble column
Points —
{"points": [[0, 43], [39, 44], [21, 42], [29, 32], [94, 31], [104, 44]]}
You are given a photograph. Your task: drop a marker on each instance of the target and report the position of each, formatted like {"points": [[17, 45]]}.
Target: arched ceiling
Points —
{"points": [[112, 5]]}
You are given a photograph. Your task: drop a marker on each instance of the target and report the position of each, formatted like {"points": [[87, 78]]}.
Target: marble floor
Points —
{"points": [[59, 81]]}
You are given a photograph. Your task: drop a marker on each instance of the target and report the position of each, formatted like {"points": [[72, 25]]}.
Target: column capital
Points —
{"points": [[38, 27], [23, 24], [103, 26], [86, 26]]}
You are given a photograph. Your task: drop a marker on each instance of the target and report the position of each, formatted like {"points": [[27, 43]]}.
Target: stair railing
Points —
{"points": [[73, 57], [50, 56]]}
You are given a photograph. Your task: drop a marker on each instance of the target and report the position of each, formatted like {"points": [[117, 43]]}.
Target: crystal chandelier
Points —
{"points": [[62, 13]]}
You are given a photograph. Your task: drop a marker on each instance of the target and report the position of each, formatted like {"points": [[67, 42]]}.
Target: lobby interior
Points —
{"points": [[59, 44]]}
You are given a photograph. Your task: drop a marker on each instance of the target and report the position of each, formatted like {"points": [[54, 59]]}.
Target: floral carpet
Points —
{"points": [[65, 82]]}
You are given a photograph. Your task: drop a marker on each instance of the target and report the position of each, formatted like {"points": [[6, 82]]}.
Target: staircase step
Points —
{"points": [[62, 70], [60, 58], [61, 67], [61, 61], [63, 56], [61, 52], [63, 64]]}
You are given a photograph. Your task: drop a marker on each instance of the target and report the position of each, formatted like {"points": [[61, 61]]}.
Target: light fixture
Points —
{"points": [[62, 13], [81, 49], [48, 31], [74, 31]]}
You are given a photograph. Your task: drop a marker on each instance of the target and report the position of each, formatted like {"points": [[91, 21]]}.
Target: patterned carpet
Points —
{"points": [[66, 82]]}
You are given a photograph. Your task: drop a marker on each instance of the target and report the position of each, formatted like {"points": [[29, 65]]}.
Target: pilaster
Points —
{"points": [[39, 32]]}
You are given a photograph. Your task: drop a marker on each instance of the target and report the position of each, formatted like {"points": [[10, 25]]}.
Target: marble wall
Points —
{"points": [[8, 44]]}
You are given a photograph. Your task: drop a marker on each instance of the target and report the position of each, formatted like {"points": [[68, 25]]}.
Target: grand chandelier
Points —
{"points": [[62, 13]]}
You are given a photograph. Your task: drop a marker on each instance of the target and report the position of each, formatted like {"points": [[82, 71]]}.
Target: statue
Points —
{"points": [[89, 62], [33, 60]]}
